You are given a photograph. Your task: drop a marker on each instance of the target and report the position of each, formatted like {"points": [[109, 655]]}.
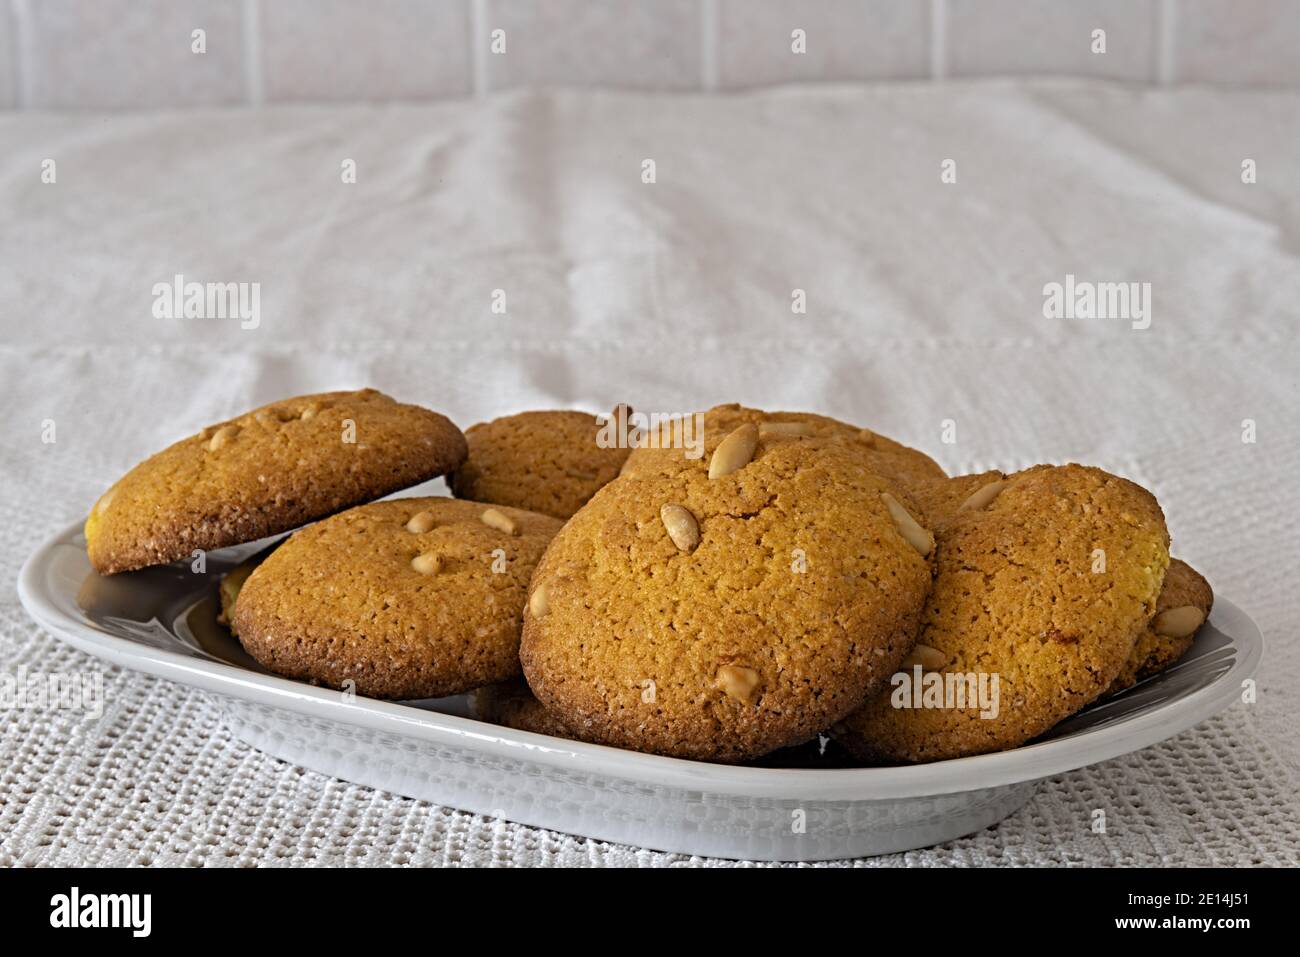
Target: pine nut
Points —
{"points": [[982, 496], [681, 525], [930, 659], [500, 521], [908, 527], [420, 522], [222, 437], [1178, 622], [539, 602], [735, 451], [737, 681], [427, 564]]}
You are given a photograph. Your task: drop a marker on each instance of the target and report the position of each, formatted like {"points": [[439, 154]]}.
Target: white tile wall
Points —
{"points": [[843, 39], [111, 54], [105, 54], [996, 37], [8, 60], [377, 50], [620, 43], [1248, 42]]}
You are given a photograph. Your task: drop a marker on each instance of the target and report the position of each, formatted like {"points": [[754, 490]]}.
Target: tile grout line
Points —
{"points": [[938, 39], [478, 47], [1166, 14], [21, 46], [709, 45], [254, 93]]}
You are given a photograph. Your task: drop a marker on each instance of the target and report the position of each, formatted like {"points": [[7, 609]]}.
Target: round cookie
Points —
{"points": [[722, 618], [547, 462], [268, 471], [1044, 580], [409, 598], [897, 463], [1184, 604]]}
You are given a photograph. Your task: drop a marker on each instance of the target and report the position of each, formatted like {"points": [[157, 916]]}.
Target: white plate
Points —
{"points": [[161, 621]]}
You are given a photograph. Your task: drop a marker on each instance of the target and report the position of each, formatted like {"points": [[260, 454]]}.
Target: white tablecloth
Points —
{"points": [[924, 304]]}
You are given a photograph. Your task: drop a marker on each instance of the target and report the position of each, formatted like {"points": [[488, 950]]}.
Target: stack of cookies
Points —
{"points": [[714, 587]]}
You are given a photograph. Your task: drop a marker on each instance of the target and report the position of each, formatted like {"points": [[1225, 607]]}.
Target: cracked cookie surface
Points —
{"points": [[797, 601], [548, 462], [1046, 586], [267, 471], [409, 598]]}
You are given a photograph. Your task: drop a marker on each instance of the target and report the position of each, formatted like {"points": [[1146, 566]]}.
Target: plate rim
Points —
{"points": [[953, 776]]}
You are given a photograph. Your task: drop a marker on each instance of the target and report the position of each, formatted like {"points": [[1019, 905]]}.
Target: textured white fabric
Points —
{"points": [[924, 305]]}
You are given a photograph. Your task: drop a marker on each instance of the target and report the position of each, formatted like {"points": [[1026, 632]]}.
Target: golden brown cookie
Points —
{"points": [[410, 598], [268, 471], [724, 617], [660, 449], [548, 462], [1184, 604], [1044, 580]]}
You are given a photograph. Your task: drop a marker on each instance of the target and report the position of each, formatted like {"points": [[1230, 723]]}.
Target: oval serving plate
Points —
{"points": [[798, 806]]}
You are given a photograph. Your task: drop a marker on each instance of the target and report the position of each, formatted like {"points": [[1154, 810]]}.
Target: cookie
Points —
{"points": [[1044, 581], [725, 606], [547, 462], [268, 471], [902, 466], [1184, 604], [409, 598]]}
